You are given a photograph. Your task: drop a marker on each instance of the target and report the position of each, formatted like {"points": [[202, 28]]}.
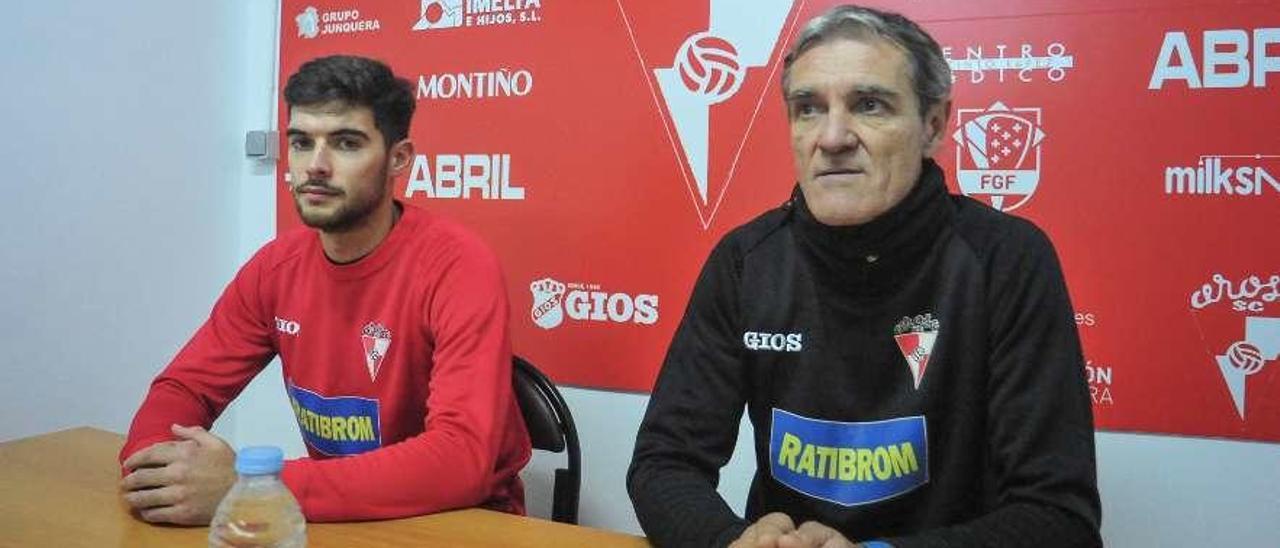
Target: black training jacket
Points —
{"points": [[917, 379]]}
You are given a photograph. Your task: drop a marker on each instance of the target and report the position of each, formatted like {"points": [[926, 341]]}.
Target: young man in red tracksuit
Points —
{"points": [[391, 326]]}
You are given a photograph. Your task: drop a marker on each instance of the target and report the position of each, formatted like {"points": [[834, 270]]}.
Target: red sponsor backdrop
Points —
{"points": [[602, 148]]}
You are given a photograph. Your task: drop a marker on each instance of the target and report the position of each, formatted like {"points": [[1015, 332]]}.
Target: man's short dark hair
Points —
{"points": [[357, 81]]}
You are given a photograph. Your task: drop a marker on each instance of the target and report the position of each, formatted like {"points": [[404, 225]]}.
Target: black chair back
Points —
{"points": [[551, 428]]}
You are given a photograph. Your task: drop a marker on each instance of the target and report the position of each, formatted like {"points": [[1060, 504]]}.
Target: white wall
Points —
{"points": [[123, 151], [1173, 491], [260, 416], [130, 206]]}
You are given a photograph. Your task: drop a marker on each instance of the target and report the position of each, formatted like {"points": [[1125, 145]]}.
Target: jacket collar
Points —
{"points": [[876, 255]]}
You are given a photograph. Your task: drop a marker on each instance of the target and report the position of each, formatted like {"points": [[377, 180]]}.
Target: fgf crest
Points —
{"points": [[998, 154]]}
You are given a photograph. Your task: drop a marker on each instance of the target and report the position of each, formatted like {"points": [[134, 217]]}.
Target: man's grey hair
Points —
{"points": [[929, 72]]}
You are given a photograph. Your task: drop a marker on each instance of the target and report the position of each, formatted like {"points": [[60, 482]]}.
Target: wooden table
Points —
{"points": [[60, 490]]}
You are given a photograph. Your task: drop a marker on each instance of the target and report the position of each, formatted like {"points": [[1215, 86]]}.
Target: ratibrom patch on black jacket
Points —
{"points": [[336, 426], [849, 463]]}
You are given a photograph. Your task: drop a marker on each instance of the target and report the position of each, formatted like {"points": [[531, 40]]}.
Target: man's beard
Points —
{"points": [[350, 214]]}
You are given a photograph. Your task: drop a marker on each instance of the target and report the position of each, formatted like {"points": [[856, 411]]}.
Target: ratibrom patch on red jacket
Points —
{"points": [[376, 339], [849, 463], [337, 426], [915, 337]]}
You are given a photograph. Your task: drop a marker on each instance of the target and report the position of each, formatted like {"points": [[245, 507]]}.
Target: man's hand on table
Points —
{"points": [[778, 530], [180, 481]]}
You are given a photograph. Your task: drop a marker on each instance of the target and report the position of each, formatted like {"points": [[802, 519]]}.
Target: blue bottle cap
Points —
{"points": [[259, 459]]}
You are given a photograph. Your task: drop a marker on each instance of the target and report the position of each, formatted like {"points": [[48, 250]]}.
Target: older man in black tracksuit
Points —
{"points": [[908, 358]]}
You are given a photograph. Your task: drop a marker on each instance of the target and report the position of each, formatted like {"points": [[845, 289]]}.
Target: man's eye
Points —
{"points": [[299, 144], [348, 144], [805, 110], [869, 105]]}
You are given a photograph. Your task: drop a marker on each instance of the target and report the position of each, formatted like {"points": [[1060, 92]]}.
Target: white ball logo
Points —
{"points": [[708, 65], [1245, 357]]}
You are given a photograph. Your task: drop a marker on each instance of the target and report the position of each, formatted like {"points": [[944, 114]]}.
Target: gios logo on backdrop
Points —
{"points": [[998, 154], [1000, 63], [553, 301], [1225, 175], [463, 176], [707, 83], [849, 463], [1239, 321], [449, 14], [1227, 58], [312, 22]]}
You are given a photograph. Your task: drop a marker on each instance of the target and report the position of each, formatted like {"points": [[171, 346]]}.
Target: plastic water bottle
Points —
{"points": [[259, 510]]}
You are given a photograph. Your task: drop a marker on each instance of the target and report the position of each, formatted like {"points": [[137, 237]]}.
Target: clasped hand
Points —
{"points": [[180, 481], [777, 530]]}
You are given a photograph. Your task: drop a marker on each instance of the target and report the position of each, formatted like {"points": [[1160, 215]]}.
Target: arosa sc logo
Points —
{"points": [[706, 72], [1239, 324], [554, 300]]}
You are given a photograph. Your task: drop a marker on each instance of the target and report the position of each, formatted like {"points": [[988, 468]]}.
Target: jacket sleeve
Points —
{"points": [[470, 410], [232, 346], [1039, 420], [691, 425]]}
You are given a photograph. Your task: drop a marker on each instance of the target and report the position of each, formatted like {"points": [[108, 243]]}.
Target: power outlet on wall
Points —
{"points": [[261, 145]]}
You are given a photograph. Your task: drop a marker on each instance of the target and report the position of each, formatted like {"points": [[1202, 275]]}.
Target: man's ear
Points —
{"points": [[935, 126], [401, 156]]}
